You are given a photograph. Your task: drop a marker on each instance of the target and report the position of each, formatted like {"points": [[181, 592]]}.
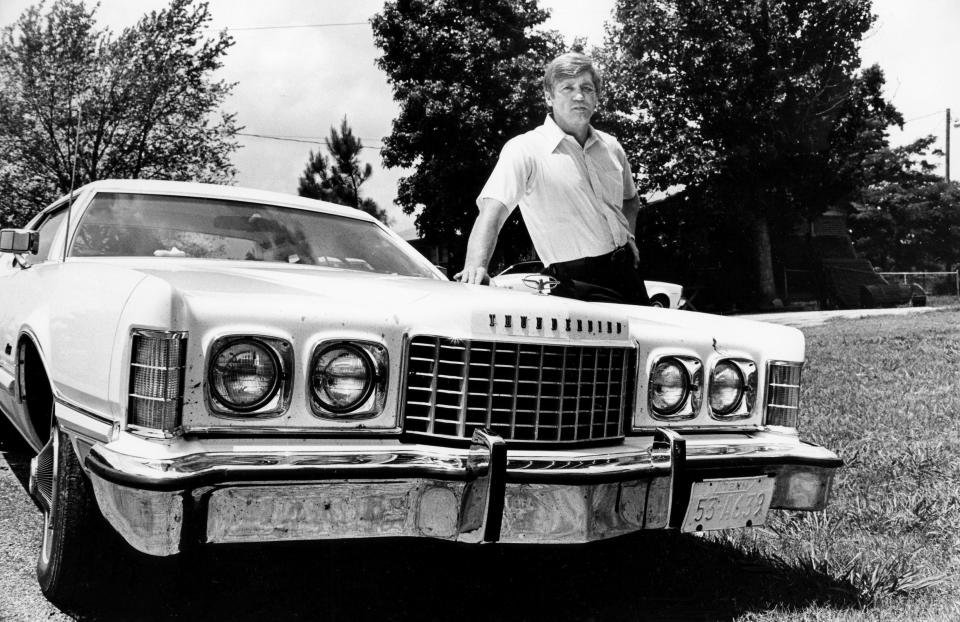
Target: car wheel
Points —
{"points": [[660, 301], [75, 538]]}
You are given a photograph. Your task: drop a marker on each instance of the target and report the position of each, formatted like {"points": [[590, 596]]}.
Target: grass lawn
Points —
{"points": [[883, 392]]}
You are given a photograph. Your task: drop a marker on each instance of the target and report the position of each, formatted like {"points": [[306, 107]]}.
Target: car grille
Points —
{"points": [[522, 392]]}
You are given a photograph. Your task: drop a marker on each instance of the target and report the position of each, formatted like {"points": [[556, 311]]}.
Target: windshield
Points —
{"points": [[148, 225], [523, 267]]}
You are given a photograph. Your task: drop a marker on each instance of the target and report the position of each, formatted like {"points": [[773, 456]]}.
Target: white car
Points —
{"points": [[525, 276], [196, 364]]}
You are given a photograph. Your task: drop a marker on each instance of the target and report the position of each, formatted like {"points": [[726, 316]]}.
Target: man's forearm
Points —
{"points": [[483, 241], [631, 208], [481, 244]]}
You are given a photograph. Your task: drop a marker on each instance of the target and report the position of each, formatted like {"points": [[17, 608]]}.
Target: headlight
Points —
{"points": [[733, 389], [675, 388], [726, 388], [342, 378], [668, 386], [244, 375]]}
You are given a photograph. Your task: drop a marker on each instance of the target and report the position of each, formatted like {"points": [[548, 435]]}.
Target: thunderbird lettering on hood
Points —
{"points": [[529, 325]]}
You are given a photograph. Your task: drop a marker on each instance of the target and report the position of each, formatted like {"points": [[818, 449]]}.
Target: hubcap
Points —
{"points": [[43, 472]]}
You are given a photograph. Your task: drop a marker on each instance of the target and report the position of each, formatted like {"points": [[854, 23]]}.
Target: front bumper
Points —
{"points": [[207, 491]]}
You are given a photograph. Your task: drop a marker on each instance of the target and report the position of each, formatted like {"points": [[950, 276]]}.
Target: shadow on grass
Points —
{"points": [[640, 577]]}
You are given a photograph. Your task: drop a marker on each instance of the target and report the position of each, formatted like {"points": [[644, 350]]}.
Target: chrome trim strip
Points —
{"points": [[80, 421], [287, 431], [8, 381], [637, 459], [83, 411], [393, 461], [159, 334]]}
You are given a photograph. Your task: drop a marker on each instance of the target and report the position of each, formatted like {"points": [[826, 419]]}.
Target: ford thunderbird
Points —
{"points": [[194, 364]]}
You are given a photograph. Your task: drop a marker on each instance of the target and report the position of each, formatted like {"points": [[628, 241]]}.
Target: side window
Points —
{"points": [[48, 229]]}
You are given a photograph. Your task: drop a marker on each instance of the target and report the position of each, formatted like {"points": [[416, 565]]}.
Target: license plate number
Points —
{"points": [[728, 503]]}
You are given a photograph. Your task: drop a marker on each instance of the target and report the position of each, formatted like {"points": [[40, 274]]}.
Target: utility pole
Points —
{"points": [[948, 146]]}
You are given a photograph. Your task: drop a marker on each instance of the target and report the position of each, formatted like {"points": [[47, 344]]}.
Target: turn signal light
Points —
{"points": [[156, 380]]}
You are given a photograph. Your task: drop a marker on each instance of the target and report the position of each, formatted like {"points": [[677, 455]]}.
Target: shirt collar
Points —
{"points": [[554, 135]]}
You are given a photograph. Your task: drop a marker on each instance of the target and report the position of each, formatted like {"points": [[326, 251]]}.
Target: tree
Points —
{"points": [[340, 183], [468, 77], [745, 101], [908, 219], [79, 104]]}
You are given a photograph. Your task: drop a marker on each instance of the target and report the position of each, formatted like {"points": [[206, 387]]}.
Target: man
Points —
{"points": [[575, 191]]}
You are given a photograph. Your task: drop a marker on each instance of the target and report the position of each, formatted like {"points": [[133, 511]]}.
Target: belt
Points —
{"points": [[589, 262]]}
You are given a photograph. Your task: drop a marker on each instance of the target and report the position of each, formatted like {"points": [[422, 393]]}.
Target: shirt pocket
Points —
{"points": [[611, 180]]}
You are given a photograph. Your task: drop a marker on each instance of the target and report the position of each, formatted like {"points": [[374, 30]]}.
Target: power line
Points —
{"points": [[331, 25], [923, 116], [300, 139]]}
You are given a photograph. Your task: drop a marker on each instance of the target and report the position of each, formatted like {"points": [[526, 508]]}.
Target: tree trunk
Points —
{"points": [[764, 263]]}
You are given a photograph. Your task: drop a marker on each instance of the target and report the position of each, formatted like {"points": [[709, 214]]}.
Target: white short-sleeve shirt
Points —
{"points": [[571, 197]]}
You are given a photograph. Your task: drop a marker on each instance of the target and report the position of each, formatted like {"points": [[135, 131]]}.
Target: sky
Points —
{"points": [[296, 76]]}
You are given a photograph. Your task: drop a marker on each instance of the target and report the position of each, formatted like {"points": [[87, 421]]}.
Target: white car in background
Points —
{"points": [[525, 276]]}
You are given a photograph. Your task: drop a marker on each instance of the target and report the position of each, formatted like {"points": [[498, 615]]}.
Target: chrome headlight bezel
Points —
{"points": [[743, 406], [275, 402], [688, 406], [371, 403]]}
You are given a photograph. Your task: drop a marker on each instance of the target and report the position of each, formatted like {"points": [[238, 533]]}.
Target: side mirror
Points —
{"points": [[19, 241]]}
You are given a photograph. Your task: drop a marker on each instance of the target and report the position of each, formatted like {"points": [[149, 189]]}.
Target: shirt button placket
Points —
{"points": [[592, 176]]}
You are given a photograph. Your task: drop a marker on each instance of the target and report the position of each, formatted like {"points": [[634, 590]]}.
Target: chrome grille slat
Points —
{"points": [[536, 416], [563, 386], [516, 377], [433, 384], [542, 393], [462, 424]]}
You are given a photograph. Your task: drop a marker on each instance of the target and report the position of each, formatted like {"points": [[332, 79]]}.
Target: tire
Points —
{"points": [[660, 301], [76, 544]]}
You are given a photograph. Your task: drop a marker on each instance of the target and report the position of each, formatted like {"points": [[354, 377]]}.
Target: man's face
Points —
{"points": [[573, 101]]}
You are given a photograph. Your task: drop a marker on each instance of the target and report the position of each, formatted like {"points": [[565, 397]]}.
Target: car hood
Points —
{"points": [[246, 293]]}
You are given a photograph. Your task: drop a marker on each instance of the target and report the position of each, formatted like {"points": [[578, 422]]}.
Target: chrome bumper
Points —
{"points": [[209, 492]]}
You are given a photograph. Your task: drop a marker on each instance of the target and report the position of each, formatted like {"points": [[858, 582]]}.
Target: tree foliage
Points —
{"points": [[467, 76], [907, 218], [757, 105], [78, 102], [340, 181]]}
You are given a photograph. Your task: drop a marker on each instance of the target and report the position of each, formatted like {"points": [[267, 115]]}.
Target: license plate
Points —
{"points": [[728, 503]]}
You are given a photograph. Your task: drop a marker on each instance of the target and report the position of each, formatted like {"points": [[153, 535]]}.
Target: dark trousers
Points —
{"points": [[607, 278]]}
